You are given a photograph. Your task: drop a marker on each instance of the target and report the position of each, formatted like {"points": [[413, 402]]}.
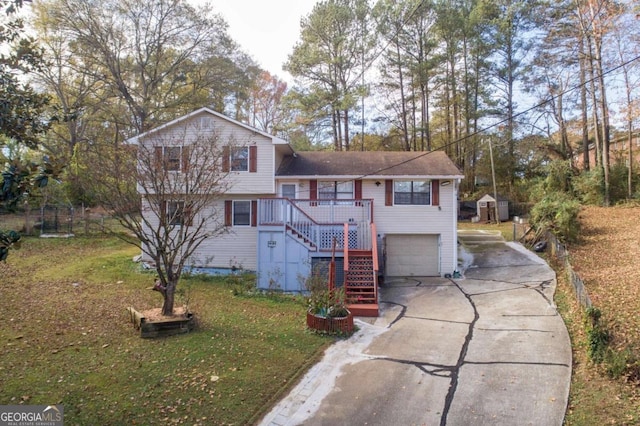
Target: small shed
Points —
{"points": [[486, 208]]}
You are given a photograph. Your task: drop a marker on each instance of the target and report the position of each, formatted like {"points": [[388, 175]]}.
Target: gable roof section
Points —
{"points": [[136, 139], [371, 164]]}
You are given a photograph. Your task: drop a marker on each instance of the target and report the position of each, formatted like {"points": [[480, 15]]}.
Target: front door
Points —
{"points": [[288, 190]]}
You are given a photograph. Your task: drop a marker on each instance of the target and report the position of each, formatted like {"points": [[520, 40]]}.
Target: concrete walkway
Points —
{"points": [[487, 349]]}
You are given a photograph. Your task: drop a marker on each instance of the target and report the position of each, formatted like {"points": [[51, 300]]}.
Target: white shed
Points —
{"points": [[486, 208]]}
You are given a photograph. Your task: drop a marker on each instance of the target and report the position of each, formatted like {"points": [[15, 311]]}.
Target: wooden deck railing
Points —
{"points": [[287, 213]]}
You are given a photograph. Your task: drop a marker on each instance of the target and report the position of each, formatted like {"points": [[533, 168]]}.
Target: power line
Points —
{"points": [[506, 120]]}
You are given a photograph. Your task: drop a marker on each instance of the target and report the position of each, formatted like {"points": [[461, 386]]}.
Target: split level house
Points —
{"points": [[288, 213]]}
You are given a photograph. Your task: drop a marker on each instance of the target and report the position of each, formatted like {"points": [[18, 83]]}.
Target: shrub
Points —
{"points": [[558, 213], [589, 187], [321, 300], [597, 335]]}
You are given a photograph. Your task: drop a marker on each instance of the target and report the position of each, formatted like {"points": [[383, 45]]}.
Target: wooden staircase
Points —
{"points": [[361, 282]]}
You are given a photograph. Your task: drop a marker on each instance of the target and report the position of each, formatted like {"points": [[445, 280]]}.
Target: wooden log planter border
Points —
{"points": [[161, 328], [329, 325]]}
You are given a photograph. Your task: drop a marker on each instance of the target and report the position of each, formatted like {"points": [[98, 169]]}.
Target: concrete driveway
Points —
{"points": [[486, 349]]}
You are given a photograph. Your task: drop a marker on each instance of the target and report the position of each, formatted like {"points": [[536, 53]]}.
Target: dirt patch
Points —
{"points": [[155, 314]]}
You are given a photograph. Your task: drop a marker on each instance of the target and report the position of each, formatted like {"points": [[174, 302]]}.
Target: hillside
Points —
{"points": [[607, 259]]}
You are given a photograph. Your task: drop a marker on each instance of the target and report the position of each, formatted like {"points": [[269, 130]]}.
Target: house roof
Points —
{"points": [[373, 164], [136, 139], [489, 197]]}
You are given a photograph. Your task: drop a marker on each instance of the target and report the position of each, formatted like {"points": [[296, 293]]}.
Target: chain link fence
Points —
{"points": [[57, 220]]}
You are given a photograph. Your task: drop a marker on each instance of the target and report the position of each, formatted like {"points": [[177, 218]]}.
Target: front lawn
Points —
{"points": [[65, 339]]}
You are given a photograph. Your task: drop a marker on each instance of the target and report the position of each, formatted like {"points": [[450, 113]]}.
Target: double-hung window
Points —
{"points": [[239, 159], [175, 213], [333, 190], [412, 192], [170, 158], [241, 213]]}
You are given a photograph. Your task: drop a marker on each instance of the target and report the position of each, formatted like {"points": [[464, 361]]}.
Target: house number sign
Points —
{"points": [[271, 243]]}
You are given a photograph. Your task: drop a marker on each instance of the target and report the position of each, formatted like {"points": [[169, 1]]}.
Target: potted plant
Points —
{"points": [[327, 308]]}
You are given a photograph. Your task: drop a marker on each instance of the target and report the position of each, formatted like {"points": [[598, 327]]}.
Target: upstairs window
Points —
{"points": [[172, 158], [239, 159], [412, 192]]}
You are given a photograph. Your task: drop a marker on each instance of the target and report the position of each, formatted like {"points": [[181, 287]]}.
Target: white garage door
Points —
{"points": [[416, 255]]}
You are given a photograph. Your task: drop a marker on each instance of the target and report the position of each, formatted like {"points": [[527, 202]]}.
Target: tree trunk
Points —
{"points": [[169, 298], [403, 105], [347, 142], [584, 106], [604, 107]]}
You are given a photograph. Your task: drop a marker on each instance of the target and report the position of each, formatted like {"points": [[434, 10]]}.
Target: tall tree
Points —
{"points": [[627, 47], [512, 22], [265, 104], [408, 67], [177, 212], [160, 57], [335, 47], [23, 118]]}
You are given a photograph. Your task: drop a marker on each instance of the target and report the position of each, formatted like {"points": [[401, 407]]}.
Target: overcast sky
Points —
{"points": [[266, 29]]}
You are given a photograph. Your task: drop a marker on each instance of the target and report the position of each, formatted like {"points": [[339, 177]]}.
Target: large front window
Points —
{"points": [[335, 190], [412, 192]]}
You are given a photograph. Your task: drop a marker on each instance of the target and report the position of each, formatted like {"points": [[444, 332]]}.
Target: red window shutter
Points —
{"points": [[188, 215], [163, 211], [228, 211], [388, 192], [226, 152], [435, 192], [313, 189], [157, 161], [253, 159], [185, 159], [357, 189], [254, 213]]}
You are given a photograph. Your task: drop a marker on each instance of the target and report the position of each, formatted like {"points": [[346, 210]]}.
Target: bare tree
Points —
{"points": [[165, 197]]}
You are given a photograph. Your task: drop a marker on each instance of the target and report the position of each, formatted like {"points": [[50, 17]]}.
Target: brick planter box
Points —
{"points": [[329, 325]]}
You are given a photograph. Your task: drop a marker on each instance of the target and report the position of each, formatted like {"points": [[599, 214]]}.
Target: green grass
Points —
{"points": [[65, 339], [505, 228]]}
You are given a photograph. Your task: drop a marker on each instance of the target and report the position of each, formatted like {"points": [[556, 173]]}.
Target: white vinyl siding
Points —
{"points": [[235, 248], [226, 133], [410, 219]]}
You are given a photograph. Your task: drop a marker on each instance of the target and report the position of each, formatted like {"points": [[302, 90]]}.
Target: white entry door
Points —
{"points": [[288, 190]]}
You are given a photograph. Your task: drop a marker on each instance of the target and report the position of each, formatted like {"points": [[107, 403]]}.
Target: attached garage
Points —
{"points": [[413, 255]]}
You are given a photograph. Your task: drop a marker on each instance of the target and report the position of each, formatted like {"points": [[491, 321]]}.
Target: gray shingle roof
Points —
{"points": [[368, 163]]}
